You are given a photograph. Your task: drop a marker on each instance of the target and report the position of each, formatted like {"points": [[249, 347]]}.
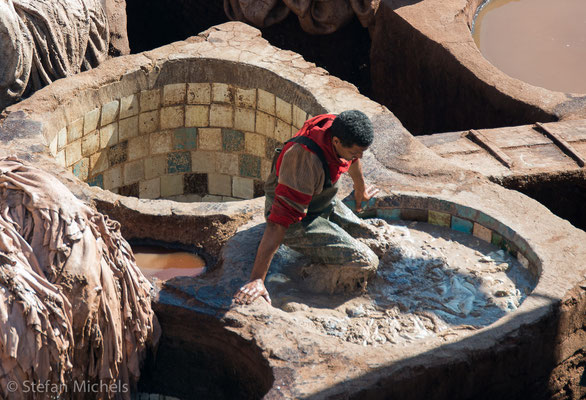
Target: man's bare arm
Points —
{"points": [[270, 242], [361, 191]]}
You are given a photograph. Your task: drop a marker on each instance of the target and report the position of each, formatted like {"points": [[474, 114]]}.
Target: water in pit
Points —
{"points": [[163, 263], [542, 42]]}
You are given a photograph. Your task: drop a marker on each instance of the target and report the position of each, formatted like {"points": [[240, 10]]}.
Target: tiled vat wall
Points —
{"points": [[186, 141]]}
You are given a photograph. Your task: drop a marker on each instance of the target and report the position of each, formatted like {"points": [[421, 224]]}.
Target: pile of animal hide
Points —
{"points": [[315, 16], [41, 41], [74, 307]]}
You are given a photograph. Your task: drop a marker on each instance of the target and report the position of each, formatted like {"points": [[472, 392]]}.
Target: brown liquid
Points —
{"points": [[542, 42], [165, 264]]}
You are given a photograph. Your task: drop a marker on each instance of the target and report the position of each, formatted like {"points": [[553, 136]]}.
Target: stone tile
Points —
{"points": [[282, 131], [410, 214], [73, 153], [299, 117], [185, 198], [131, 190], [482, 233], [113, 177], [150, 100], [133, 171], [161, 142], [197, 116], [138, 148], [90, 143], [245, 97], [210, 139], [265, 169], [75, 130], [149, 189], [171, 185], [219, 184], [523, 260], [249, 166], [198, 93], [109, 112], [440, 218], [227, 163], [265, 124], [60, 158], [211, 198], [118, 153], [172, 117], [244, 119], [497, 240], [258, 188], [255, 144], [90, 121], [228, 198], [185, 139], [270, 146], [266, 102], [109, 135], [243, 188], [203, 161], [462, 225], [390, 214], [232, 140], [179, 161], [155, 166], [148, 122], [221, 115], [195, 184], [81, 168], [97, 180], [98, 162], [62, 138], [174, 94], [53, 145], [128, 106], [127, 128], [284, 111], [222, 93]]}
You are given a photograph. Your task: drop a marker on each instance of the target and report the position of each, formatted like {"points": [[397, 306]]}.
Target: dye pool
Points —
{"points": [[542, 42], [162, 263]]}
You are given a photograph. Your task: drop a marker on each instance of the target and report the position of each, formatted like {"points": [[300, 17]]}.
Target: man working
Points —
{"points": [[301, 208]]}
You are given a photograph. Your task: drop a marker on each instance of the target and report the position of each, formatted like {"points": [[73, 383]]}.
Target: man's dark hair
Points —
{"points": [[353, 127]]}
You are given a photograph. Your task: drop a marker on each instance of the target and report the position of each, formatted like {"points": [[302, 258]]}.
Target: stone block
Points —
{"points": [[227, 163], [254, 144], [440, 218], [462, 225], [133, 172], [185, 139], [155, 166], [265, 124], [171, 185], [232, 140], [148, 121], [219, 184], [210, 139], [195, 184], [197, 116], [242, 188], [391, 214], [299, 117], [284, 111], [90, 121], [138, 147], [172, 117], [81, 169], [150, 100], [73, 153], [179, 161], [203, 161], [109, 112], [186, 198], [60, 158], [282, 131], [128, 106], [75, 130], [109, 135], [246, 97], [265, 169], [266, 102], [523, 260], [221, 115], [62, 138], [249, 166], [198, 93], [131, 190], [244, 119], [97, 180], [118, 153], [174, 94], [98, 162], [149, 189], [211, 198], [161, 142], [53, 145], [222, 93], [90, 143], [482, 232], [113, 177], [228, 198], [127, 128], [270, 146]]}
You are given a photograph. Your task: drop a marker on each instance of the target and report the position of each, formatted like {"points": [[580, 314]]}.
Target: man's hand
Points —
{"points": [[364, 194], [251, 291]]}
